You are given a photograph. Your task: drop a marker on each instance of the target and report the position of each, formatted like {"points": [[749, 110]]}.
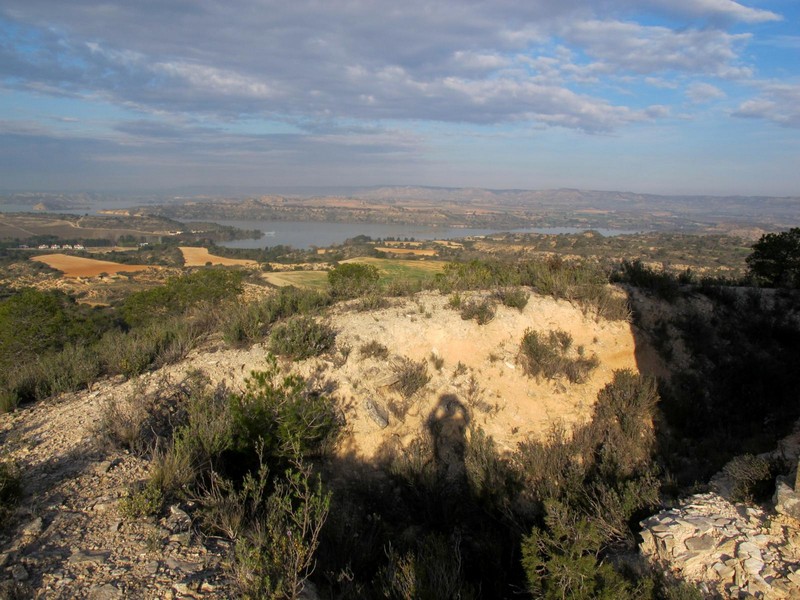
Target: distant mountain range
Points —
{"points": [[459, 207]]}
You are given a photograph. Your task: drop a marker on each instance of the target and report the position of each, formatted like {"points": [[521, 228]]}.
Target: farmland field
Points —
{"points": [[199, 257], [77, 266]]}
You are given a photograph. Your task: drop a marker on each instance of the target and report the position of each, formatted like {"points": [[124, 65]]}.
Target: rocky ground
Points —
{"points": [[69, 537], [732, 550]]}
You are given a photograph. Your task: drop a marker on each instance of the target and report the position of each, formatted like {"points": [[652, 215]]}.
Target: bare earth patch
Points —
{"points": [[503, 401], [199, 257], [77, 266]]}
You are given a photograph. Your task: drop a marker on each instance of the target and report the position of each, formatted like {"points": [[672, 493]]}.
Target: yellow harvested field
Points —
{"points": [[77, 266], [418, 252], [199, 257]]}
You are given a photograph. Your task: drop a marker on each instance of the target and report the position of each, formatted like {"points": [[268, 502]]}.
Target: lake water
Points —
{"points": [[305, 234]]}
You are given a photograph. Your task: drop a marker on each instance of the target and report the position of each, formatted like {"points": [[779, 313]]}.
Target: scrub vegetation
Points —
{"points": [[449, 514]]}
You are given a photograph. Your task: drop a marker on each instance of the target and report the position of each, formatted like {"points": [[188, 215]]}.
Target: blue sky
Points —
{"points": [[661, 96]]}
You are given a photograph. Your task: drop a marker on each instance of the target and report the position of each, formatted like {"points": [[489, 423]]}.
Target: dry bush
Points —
{"points": [[752, 478], [374, 349], [411, 376], [301, 337], [123, 422], [549, 357], [514, 297]]}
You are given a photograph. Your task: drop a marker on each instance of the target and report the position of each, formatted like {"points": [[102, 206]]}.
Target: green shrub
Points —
{"points": [[230, 509], [174, 471], [208, 285], [437, 361], [411, 376], [623, 421], [752, 478], [374, 349], [142, 500], [243, 324], [551, 469], [562, 560], [515, 297], [476, 275], [67, 370], [34, 323], [301, 337], [274, 557], [548, 357], [123, 423], [491, 477], [280, 413], [351, 280], [372, 301]]}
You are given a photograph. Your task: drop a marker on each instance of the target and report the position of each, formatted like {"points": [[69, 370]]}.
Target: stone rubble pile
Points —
{"points": [[728, 550]]}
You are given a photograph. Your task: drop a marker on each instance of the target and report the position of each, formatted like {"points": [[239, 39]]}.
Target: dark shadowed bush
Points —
{"points": [[10, 490], [752, 478], [663, 284]]}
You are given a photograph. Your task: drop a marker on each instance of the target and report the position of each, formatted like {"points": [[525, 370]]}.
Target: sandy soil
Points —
{"points": [[199, 257], [508, 405], [77, 266]]}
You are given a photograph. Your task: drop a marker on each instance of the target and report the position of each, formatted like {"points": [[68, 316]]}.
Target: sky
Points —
{"points": [[652, 96]]}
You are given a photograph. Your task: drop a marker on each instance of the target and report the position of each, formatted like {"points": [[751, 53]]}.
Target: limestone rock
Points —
{"points": [[732, 548], [787, 500], [377, 412]]}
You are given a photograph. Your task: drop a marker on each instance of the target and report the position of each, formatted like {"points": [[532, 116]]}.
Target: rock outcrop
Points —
{"points": [[727, 549]]}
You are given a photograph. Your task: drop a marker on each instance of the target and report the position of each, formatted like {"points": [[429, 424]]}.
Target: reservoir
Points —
{"points": [[307, 234]]}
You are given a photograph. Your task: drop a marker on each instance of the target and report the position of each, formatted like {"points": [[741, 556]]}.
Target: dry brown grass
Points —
{"points": [[199, 257]]}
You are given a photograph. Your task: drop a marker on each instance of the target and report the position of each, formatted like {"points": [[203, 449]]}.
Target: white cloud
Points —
{"points": [[655, 49], [660, 82], [778, 102], [726, 9], [548, 61], [206, 79], [700, 93]]}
